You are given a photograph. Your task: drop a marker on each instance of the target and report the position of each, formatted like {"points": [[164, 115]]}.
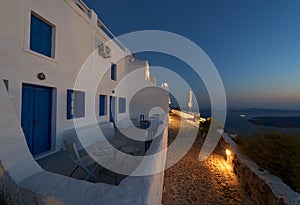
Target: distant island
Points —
{"points": [[261, 110], [281, 122]]}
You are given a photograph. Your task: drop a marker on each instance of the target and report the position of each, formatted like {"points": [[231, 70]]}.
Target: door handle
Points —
{"points": [[35, 122]]}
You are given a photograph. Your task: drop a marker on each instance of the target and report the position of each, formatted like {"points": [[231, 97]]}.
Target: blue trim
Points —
{"points": [[112, 102], [113, 72], [40, 36], [69, 104], [102, 105]]}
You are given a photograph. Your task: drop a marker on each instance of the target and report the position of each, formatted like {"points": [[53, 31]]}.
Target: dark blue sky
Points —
{"points": [[254, 44]]}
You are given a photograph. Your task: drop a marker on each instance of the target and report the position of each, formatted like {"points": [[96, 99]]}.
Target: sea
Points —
{"points": [[237, 121]]}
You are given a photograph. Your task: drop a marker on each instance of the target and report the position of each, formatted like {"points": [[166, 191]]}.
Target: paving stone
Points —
{"points": [[208, 182]]}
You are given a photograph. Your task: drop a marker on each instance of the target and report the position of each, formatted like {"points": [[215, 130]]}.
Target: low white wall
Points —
{"points": [[14, 153], [142, 190], [263, 187]]}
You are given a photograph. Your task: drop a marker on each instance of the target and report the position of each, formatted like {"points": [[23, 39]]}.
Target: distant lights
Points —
{"points": [[165, 85]]}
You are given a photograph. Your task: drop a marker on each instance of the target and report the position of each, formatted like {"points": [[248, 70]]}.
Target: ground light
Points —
{"points": [[228, 152], [228, 155]]}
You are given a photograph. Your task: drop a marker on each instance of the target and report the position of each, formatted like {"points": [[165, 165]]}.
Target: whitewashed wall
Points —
{"points": [[76, 37], [22, 181]]}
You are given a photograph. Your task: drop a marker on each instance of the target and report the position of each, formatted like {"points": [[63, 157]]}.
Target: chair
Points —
{"points": [[107, 156], [152, 130], [82, 160]]}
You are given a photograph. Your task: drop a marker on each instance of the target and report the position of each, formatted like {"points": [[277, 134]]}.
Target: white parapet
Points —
{"points": [[14, 154]]}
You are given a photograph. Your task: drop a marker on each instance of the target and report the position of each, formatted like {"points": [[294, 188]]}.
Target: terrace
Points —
{"points": [[62, 163]]}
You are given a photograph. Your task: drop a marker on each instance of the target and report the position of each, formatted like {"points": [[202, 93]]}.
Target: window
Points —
{"points": [[122, 105], [113, 72], [6, 84], [41, 36], [102, 105], [75, 104]]}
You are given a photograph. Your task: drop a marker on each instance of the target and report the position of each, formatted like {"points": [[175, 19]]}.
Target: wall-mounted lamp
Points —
{"points": [[41, 76], [113, 91]]}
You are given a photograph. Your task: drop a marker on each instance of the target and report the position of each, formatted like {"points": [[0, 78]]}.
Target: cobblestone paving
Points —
{"points": [[193, 182]]}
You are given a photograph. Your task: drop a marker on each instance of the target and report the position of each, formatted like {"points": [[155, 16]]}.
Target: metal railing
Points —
{"points": [[85, 9], [112, 36]]}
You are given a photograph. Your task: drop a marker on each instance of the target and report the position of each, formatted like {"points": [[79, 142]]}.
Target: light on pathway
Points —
{"points": [[228, 152], [229, 156]]}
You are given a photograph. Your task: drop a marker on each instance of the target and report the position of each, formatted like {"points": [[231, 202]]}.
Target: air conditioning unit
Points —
{"points": [[104, 51]]}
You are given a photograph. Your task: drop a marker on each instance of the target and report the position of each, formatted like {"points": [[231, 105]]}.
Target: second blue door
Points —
{"points": [[36, 117]]}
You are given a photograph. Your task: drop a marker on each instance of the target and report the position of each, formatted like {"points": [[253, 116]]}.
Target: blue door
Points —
{"points": [[36, 117], [112, 109]]}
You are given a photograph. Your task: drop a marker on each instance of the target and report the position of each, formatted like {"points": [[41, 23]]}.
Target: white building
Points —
{"points": [[50, 62]]}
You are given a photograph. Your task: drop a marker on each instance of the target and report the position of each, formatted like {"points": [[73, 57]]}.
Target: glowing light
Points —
{"points": [[228, 152], [165, 85]]}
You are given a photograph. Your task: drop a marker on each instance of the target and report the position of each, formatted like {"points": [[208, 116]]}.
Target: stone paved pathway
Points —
{"points": [[193, 182]]}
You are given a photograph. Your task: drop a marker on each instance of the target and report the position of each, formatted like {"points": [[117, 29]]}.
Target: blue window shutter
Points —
{"points": [[69, 104], [35, 32], [103, 105], [40, 36], [46, 39], [113, 72]]}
